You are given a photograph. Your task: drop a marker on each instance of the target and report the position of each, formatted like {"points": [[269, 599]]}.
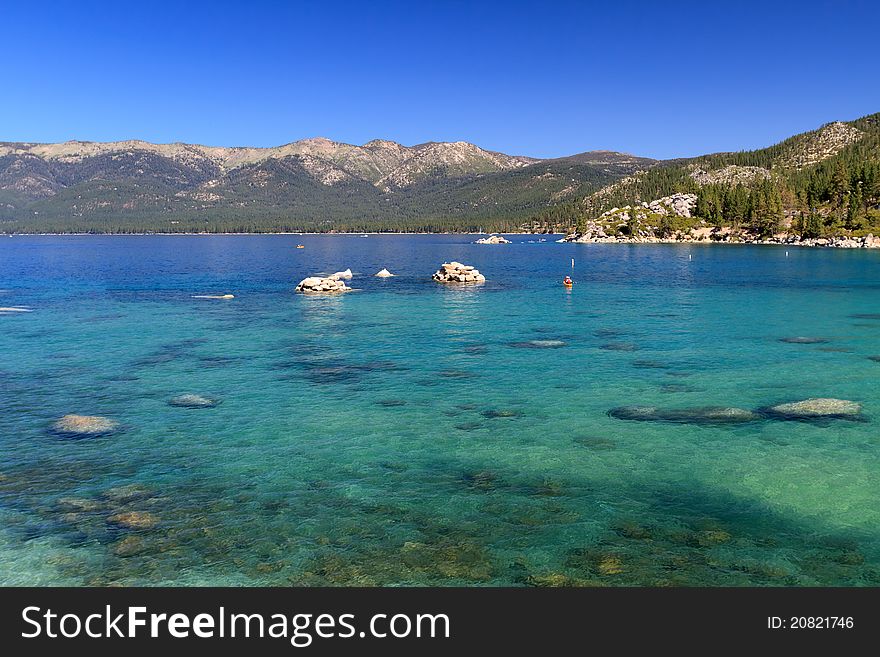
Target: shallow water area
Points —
{"points": [[420, 433]]}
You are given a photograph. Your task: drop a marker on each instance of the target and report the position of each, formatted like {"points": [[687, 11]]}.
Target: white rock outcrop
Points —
{"points": [[455, 272], [731, 175], [383, 273], [319, 285], [681, 205], [341, 275], [493, 239]]}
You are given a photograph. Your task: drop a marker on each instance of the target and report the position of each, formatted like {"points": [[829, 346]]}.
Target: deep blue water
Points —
{"points": [[413, 433]]}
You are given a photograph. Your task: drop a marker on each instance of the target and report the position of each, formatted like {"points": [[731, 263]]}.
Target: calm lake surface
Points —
{"points": [[412, 433]]}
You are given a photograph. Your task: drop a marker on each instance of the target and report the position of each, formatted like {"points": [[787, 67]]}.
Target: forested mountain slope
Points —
{"points": [[820, 183]]}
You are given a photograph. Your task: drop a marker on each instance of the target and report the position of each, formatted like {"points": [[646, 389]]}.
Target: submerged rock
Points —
{"points": [[127, 493], [539, 344], [483, 481], [468, 426], [596, 443], [394, 466], [610, 565], [553, 580], [84, 426], [647, 413], [548, 488], [334, 370], [448, 558], [383, 273], [711, 537], [134, 520], [193, 401], [318, 285], [700, 415], [865, 316], [129, 546], [334, 374], [455, 272], [78, 504], [504, 412], [804, 340], [876, 359], [633, 530], [816, 408]]}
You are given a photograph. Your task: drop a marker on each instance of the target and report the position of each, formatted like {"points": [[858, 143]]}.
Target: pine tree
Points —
{"points": [[855, 209]]}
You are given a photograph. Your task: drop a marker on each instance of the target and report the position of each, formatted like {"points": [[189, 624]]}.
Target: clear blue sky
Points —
{"points": [[661, 79]]}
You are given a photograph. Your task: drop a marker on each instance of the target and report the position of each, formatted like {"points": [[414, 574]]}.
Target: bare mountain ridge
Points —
{"points": [[385, 163], [311, 184]]}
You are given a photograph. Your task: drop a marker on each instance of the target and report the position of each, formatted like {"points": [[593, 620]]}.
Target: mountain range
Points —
{"points": [[318, 184], [312, 184]]}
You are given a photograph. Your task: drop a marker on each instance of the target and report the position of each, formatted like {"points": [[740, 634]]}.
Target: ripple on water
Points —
{"points": [[458, 374], [539, 344], [644, 364], [391, 403], [619, 346], [608, 332]]}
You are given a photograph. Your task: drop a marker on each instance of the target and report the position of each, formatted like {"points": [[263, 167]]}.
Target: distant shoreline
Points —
{"points": [[631, 242], [258, 233]]}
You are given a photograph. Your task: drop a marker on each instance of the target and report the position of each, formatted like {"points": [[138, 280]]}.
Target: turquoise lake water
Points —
{"points": [[414, 433]]}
